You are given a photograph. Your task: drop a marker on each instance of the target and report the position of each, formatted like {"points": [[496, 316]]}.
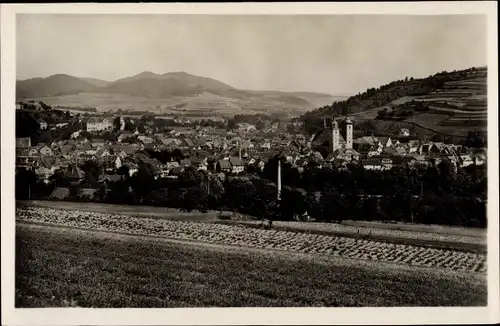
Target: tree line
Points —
{"points": [[432, 195]]}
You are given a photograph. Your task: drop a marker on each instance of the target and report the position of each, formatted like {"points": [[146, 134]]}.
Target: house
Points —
{"points": [[66, 149], [480, 158], [237, 165], [466, 160], [366, 140], [172, 165], [185, 162], [43, 172], [369, 150], [24, 142], [24, 160], [124, 151], [47, 162], [133, 168], [199, 164], [372, 164], [146, 140], [386, 163], [99, 124], [74, 175], [385, 141], [420, 160], [261, 164], [42, 125], [400, 150], [125, 136], [102, 152], [413, 146], [46, 150], [107, 178], [118, 162], [346, 154], [404, 132], [389, 151], [186, 142], [224, 166], [177, 170], [266, 144], [33, 152]]}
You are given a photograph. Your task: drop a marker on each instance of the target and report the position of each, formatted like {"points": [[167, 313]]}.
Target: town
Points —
{"points": [[91, 155], [218, 150]]}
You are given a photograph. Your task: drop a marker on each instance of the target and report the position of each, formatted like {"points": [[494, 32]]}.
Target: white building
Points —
{"points": [[99, 124]]}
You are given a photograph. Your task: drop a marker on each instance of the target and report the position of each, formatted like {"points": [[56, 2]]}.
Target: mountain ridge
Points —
{"points": [[172, 89]]}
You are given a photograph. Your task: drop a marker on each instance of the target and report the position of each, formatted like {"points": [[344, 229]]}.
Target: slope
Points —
{"points": [[176, 93], [450, 103], [54, 85]]}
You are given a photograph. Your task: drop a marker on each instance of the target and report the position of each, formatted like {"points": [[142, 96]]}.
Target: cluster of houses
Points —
{"points": [[221, 151], [383, 153]]}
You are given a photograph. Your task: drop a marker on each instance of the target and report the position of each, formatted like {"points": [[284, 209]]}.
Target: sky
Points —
{"points": [[335, 54]]}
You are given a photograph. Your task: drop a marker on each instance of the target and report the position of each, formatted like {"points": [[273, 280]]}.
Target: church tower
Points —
{"points": [[348, 138], [335, 142]]}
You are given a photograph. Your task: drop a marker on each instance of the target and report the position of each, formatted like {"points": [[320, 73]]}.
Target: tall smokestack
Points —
{"points": [[279, 179]]}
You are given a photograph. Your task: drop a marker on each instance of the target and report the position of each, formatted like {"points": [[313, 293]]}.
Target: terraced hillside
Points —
{"points": [[453, 103]]}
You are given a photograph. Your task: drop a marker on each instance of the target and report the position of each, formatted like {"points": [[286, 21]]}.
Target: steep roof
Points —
{"points": [[109, 177], [372, 161], [95, 120], [235, 161], [224, 164]]}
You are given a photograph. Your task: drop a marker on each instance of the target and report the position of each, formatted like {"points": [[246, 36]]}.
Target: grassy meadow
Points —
{"points": [[59, 267]]}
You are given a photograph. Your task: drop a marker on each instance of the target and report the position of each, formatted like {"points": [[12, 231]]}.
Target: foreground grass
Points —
{"points": [[65, 267]]}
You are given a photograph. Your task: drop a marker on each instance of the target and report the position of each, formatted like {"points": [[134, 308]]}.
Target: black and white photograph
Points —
{"points": [[185, 159]]}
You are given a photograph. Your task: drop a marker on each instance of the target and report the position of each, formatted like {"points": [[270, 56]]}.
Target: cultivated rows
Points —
{"points": [[260, 238]]}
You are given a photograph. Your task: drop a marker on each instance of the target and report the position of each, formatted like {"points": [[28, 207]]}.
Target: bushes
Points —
{"points": [[328, 195]]}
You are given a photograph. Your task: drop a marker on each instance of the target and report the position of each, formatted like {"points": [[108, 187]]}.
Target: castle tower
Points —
{"points": [[348, 138], [335, 143]]}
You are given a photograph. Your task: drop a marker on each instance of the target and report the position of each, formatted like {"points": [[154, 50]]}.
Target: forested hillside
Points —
{"points": [[450, 103]]}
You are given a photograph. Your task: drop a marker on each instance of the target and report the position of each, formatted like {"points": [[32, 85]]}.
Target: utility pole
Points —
{"points": [[279, 179]]}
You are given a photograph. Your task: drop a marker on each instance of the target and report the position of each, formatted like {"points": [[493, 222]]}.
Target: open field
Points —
{"points": [[437, 123], [433, 236], [365, 229], [136, 210], [244, 236], [57, 267], [205, 104]]}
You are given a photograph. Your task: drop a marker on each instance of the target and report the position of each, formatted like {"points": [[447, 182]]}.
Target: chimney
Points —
{"points": [[279, 179]]}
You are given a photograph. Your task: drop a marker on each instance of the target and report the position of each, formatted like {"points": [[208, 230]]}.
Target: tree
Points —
{"points": [[123, 170], [116, 123], [74, 193], [260, 125]]}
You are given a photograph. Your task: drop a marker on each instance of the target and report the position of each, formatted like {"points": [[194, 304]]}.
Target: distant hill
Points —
{"points": [[448, 103], [151, 85], [177, 93], [54, 85], [96, 82]]}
